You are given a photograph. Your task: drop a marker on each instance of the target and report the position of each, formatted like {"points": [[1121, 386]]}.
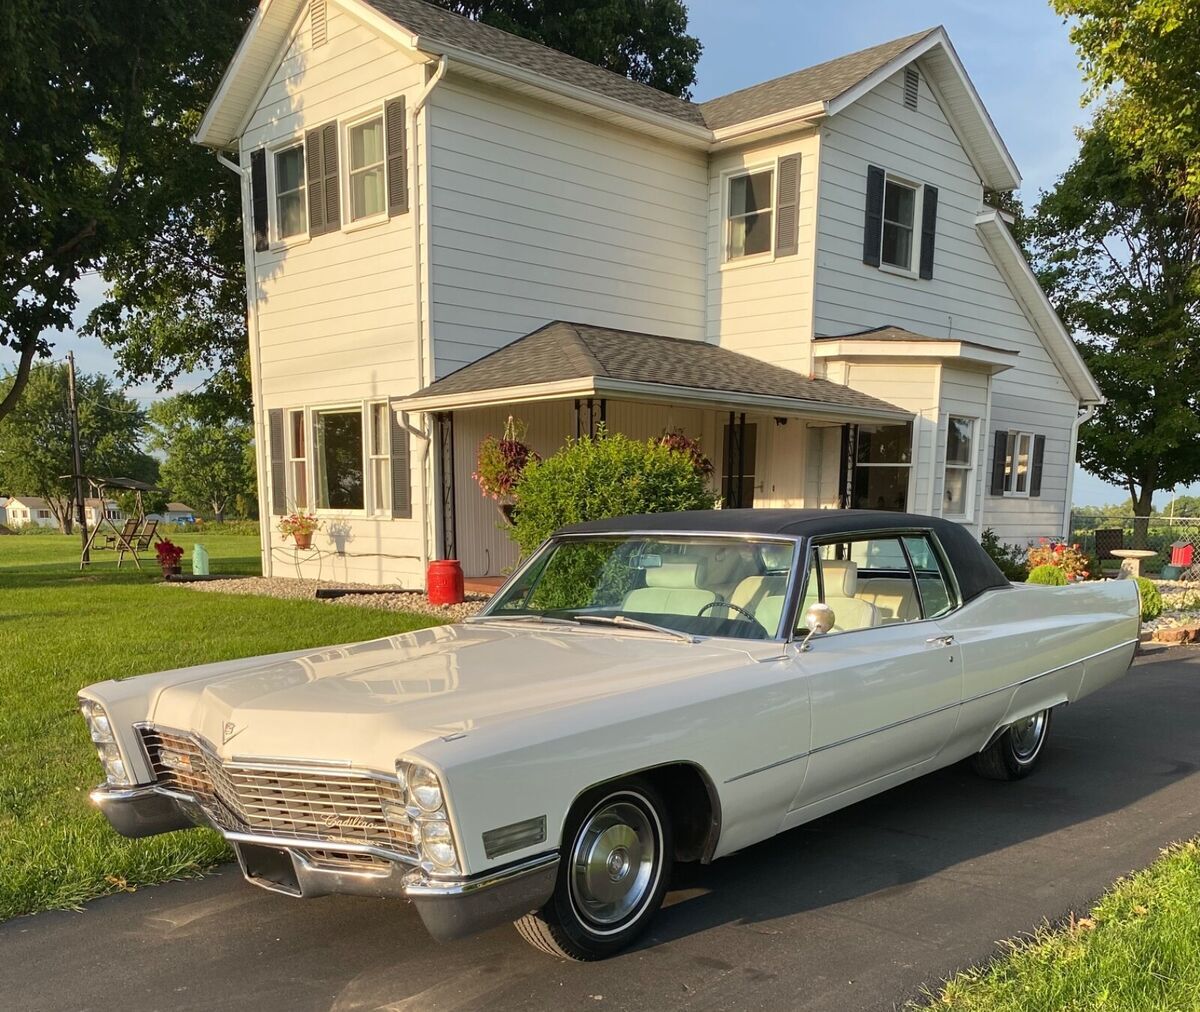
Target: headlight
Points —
{"points": [[100, 728], [426, 809]]}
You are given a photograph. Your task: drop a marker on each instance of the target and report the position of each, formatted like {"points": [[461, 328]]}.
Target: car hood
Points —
{"points": [[369, 702]]}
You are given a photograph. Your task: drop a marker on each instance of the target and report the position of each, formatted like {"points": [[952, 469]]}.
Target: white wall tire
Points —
{"points": [[616, 864], [1015, 754]]}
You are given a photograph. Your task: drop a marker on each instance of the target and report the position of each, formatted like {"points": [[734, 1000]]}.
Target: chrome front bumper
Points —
{"points": [[449, 907]]}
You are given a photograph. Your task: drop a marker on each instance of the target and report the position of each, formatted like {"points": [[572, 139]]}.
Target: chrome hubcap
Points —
{"points": [[613, 863], [1027, 735]]}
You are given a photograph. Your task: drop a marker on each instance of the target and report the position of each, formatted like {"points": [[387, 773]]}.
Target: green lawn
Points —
{"points": [[1138, 951], [61, 630]]}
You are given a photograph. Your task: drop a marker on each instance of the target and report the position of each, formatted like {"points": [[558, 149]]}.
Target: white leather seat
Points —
{"points": [[763, 597], [670, 590], [894, 598], [841, 581]]}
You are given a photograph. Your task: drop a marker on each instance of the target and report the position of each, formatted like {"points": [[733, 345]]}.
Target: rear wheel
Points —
{"points": [[616, 862], [1015, 753]]}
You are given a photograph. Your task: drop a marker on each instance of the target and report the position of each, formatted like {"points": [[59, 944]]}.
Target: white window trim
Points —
{"points": [[292, 459], [727, 176], [367, 511], [385, 454], [968, 514], [913, 270], [276, 240], [1010, 475], [375, 111]]}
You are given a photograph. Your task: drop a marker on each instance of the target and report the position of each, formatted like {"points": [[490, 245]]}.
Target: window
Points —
{"points": [[899, 221], [368, 196], [297, 460], [290, 217], [882, 460], [1017, 460], [338, 458], [378, 453], [749, 224], [43, 514], [960, 438]]}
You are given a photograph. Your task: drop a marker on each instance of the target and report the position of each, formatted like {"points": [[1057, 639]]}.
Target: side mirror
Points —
{"points": [[819, 619]]}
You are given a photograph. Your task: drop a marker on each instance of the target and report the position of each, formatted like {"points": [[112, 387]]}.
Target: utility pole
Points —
{"points": [[77, 459]]}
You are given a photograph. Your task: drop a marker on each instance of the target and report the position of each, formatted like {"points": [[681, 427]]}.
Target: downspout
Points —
{"points": [[260, 442], [1081, 418], [423, 338]]}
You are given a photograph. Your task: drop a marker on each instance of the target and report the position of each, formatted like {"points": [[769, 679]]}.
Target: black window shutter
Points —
{"points": [[258, 198], [278, 469], [1035, 469], [928, 230], [999, 453], [401, 477], [397, 156], [329, 177], [787, 212], [314, 171], [873, 228]]}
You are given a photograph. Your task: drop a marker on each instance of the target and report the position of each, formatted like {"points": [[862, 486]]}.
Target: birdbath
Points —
{"points": [[1131, 561]]}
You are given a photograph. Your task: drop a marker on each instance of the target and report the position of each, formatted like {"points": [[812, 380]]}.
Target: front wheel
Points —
{"points": [[1015, 753], [616, 863]]}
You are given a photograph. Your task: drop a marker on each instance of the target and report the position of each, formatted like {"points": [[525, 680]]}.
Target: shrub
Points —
{"points": [[605, 476], [1047, 574], [1069, 558], [1010, 559], [1152, 602]]}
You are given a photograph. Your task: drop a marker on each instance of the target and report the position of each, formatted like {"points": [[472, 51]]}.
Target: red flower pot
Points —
{"points": [[303, 540]]}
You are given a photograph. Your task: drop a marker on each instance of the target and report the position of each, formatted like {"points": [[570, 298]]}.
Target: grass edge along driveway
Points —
{"points": [[61, 630]]}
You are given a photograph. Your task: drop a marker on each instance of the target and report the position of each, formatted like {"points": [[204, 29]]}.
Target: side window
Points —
{"points": [[936, 596]]}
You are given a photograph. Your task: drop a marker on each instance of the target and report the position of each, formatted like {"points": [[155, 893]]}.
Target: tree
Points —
{"points": [[1120, 259], [97, 98], [35, 437], [644, 40], [1148, 51], [206, 452]]}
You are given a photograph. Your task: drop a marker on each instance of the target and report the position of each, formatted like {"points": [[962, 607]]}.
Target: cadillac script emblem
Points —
{"points": [[230, 730]]}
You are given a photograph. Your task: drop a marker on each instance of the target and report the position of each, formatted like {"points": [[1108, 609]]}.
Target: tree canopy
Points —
{"points": [[1120, 260]]}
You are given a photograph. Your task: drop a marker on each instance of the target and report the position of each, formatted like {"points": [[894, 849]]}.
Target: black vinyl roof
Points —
{"points": [[973, 568]]}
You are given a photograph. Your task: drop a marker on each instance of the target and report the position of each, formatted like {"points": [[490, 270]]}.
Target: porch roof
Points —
{"points": [[890, 342], [563, 360]]}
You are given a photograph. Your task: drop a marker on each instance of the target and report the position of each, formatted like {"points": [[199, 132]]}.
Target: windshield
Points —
{"points": [[703, 586]]}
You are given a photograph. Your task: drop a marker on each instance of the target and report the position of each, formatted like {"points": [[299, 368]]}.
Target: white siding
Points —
{"points": [[967, 298], [763, 307], [336, 315], [537, 215]]}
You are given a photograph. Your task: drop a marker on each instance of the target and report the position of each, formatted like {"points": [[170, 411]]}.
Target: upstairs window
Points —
{"points": [[290, 217], [368, 195], [750, 214], [899, 219], [900, 227]]}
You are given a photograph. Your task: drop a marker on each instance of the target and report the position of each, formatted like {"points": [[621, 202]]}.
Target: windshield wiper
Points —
{"points": [[636, 623], [536, 619]]}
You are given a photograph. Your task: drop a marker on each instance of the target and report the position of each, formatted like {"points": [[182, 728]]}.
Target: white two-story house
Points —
{"points": [[447, 225]]}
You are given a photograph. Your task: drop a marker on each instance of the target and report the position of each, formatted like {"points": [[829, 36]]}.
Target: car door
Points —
{"points": [[886, 685]]}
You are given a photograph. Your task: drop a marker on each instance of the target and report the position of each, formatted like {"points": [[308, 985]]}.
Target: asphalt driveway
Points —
{"points": [[854, 911]]}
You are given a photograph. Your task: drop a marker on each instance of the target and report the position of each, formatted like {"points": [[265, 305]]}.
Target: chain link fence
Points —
{"points": [[1170, 537]]}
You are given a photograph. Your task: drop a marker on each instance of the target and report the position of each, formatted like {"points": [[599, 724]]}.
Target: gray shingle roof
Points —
{"points": [[824, 81], [899, 334], [568, 351]]}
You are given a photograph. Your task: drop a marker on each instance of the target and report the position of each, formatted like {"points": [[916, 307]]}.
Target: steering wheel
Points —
{"points": [[734, 607]]}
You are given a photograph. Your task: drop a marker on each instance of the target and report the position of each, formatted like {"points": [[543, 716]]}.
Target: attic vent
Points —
{"points": [[320, 24], [912, 86]]}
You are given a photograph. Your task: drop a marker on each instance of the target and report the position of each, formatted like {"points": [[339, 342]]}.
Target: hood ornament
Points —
{"points": [[229, 731]]}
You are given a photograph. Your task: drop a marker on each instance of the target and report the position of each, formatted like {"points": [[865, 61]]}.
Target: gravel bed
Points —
{"points": [[299, 590]]}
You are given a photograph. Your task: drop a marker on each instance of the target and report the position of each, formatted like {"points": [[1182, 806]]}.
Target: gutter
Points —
{"points": [[1081, 419]]}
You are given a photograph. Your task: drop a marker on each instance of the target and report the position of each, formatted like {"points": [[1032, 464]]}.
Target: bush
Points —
{"points": [[1069, 558], [608, 476], [1010, 559], [1048, 575], [1152, 602]]}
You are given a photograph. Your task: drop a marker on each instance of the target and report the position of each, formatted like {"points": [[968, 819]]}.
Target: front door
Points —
{"points": [[886, 684], [739, 462]]}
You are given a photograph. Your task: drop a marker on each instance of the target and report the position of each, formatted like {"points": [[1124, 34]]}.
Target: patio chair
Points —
{"points": [[127, 533], [142, 541]]}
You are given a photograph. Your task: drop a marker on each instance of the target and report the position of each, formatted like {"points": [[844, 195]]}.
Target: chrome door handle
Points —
{"points": [[941, 641]]}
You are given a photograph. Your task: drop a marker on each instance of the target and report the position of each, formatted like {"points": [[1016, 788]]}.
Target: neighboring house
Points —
{"points": [[23, 510], [446, 224], [95, 510], [175, 513]]}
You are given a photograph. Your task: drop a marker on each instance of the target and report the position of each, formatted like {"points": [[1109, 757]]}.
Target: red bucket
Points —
{"points": [[444, 582]]}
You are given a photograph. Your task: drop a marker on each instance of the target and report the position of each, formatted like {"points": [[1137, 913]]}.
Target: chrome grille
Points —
{"points": [[343, 806]]}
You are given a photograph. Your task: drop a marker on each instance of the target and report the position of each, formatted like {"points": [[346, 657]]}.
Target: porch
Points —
{"points": [[775, 438]]}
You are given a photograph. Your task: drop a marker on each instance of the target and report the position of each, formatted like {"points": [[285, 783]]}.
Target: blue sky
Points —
{"points": [[1017, 53]]}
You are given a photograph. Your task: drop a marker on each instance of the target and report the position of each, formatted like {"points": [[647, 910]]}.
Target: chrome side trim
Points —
{"points": [[930, 713]]}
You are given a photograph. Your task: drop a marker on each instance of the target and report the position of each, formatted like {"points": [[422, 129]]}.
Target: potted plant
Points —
{"points": [[499, 463], [169, 555], [300, 527]]}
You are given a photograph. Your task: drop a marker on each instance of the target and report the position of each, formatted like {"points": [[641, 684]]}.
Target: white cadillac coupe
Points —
{"points": [[642, 691]]}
